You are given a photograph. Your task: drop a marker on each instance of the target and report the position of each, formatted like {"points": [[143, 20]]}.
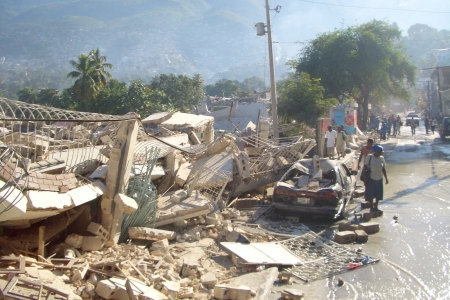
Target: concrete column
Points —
{"points": [[208, 135], [119, 167]]}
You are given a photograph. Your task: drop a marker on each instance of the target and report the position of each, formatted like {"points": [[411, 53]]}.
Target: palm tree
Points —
{"points": [[85, 87], [90, 74], [99, 64]]}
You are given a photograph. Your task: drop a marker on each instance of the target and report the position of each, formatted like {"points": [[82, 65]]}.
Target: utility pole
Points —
{"points": [[273, 86]]}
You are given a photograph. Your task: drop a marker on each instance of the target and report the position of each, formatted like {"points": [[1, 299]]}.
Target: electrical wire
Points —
{"points": [[381, 8]]}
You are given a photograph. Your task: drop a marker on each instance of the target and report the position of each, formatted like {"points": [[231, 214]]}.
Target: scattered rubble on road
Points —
{"points": [[94, 206]]}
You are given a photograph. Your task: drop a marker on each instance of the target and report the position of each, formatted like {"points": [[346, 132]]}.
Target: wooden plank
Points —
{"points": [[140, 274], [41, 241], [20, 268]]}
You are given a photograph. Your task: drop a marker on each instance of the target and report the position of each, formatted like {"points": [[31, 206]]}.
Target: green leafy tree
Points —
{"points": [[28, 95], [223, 88], [360, 62], [302, 99], [47, 97], [253, 84], [180, 92]]}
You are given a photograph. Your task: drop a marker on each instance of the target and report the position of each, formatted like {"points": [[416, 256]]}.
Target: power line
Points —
{"points": [[383, 8]]}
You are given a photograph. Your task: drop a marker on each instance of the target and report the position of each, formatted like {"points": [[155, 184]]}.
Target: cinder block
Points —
{"points": [[92, 243], [370, 227], [361, 236], [162, 245], [98, 230], [367, 216], [344, 237], [348, 226], [365, 205]]}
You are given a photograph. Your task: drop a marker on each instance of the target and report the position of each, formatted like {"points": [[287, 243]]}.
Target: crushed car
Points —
{"points": [[314, 186]]}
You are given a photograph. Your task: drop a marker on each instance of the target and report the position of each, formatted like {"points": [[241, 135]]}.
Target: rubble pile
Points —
{"points": [[100, 209]]}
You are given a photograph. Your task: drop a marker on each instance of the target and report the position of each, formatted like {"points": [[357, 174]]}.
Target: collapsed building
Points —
{"points": [[98, 198]]}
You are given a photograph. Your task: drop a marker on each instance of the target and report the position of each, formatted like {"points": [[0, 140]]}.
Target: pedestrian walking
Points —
{"points": [[330, 141], [340, 141], [413, 126], [433, 125], [399, 124], [427, 124], [383, 130], [374, 182]]}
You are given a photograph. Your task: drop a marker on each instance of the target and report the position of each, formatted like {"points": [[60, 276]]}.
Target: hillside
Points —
{"points": [[141, 38]]}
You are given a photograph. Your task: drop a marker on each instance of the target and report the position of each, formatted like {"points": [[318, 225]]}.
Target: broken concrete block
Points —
{"points": [[180, 195], [193, 138], [292, 294], [348, 226], [170, 287], [242, 163], [269, 192], [98, 230], [79, 273], [370, 227], [106, 289], [226, 291], [161, 245], [183, 173], [186, 292], [74, 240], [92, 243], [127, 205], [232, 236], [361, 236], [282, 162], [209, 280], [144, 233], [152, 294], [344, 237]]}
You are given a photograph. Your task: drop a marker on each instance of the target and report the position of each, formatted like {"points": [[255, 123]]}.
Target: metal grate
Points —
{"points": [[322, 257], [211, 183], [141, 189]]}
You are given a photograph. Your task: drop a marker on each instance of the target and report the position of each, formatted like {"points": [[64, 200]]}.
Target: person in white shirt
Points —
{"points": [[374, 183], [330, 141]]}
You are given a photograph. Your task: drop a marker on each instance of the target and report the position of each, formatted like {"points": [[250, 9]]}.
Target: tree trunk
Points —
{"points": [[365, 112]]}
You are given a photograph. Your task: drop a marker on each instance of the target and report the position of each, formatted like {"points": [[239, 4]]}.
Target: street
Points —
{"points": [[414, 250]]}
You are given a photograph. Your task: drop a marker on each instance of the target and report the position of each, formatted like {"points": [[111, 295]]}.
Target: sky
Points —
{"points": [[302, 20]]}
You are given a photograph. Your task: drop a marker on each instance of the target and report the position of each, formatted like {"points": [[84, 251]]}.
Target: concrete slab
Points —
{"points": [[45, 200], [157, 118], [187, 122], [84, 194], [13, 204], [193, 206]]}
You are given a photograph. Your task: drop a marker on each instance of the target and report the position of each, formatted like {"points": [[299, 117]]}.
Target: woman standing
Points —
{"points": [[340, 141], [374, 183]]}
